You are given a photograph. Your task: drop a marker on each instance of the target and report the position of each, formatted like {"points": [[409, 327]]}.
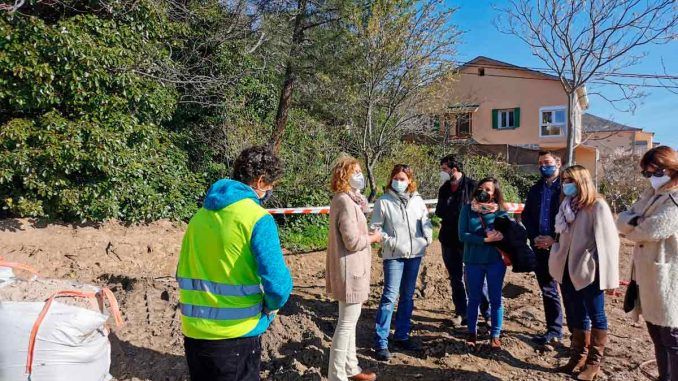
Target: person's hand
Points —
{"points": [[375, 237], [544, 242], [494, 236]]}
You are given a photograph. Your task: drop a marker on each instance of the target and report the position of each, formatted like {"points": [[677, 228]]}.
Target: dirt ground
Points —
{"points": [[138, 264]]}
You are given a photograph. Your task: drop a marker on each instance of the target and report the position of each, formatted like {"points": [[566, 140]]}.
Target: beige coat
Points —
{"points": [[655, 256], [349, 254], [589, 247]]}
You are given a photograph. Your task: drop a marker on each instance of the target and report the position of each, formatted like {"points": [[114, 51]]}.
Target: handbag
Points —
{"points": [[631, 294], [505, 257]]}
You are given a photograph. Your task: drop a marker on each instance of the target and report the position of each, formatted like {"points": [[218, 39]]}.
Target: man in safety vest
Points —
{"points": [[231, 273]]}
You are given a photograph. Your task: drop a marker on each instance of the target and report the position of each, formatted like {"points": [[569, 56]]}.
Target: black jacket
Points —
{"points": [[515, 245], [530, 215], [449, 206]]}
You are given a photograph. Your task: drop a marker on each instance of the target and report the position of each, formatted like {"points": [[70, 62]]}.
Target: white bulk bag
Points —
{"points": [[70, 342]]}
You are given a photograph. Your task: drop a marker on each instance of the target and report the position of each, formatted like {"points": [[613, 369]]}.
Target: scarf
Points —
{"points": [[567, 213], [404, 197], [484, 207], [359, 199]]}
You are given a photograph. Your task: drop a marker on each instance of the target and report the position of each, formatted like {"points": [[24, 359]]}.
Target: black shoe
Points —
{"points": [[547, 338], [382, 354], [406, 345]]}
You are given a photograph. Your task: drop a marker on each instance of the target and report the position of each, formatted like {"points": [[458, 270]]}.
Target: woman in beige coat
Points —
{"points": [[652, 223], [349, 258], [585, 261]]}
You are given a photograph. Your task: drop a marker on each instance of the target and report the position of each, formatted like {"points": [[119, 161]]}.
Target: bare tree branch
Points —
{"points": [[591, 42]]}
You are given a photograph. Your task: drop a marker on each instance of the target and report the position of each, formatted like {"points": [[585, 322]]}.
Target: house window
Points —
{"points": [[458, 124], [506, 119], [481, 71], [463, 124], [552, 122]]}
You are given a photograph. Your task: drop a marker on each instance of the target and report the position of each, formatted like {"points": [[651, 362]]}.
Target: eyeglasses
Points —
{"points": [[659, 172]]}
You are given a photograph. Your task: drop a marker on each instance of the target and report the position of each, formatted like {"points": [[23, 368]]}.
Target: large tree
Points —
{"points": [[591, 43], [303, 48], [402, 53]]}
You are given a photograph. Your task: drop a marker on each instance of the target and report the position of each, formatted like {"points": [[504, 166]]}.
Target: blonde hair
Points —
{"points": [[341, 174], [586, 190]]}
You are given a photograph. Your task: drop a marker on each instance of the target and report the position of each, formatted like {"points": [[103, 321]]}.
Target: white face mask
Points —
{"points": [[357, 181], [444, 176], [399, 186], [658, 182]]}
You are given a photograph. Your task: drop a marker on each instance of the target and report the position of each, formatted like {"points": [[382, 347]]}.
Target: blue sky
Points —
{"points": [[657, 114]]}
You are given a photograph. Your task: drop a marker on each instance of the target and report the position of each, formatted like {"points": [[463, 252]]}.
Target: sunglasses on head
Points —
{"points": [[660, 172]]}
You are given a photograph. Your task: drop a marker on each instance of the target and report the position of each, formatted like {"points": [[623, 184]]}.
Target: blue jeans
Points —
{"points": [[400, 279], [584, 308], [453, 257], [476, 275]]}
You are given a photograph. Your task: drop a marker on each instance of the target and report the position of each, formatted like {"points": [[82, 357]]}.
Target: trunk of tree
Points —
{"points": [[287, 90], [369, 166], [571, 131]]}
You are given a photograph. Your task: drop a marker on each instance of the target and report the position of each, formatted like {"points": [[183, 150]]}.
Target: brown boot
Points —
{"points": [[364, 376], [595, 357], [579, 350]]}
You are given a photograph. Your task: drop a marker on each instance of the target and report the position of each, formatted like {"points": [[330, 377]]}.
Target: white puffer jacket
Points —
{"points": [[655, 256], [406, 227]]}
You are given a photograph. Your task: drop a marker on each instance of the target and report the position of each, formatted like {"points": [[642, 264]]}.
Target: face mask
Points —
{"points": [[658, 182], [267, 196], [444, 176], [399, 186], [570, 189], [483, 197], [547, 171], [357, 181]]}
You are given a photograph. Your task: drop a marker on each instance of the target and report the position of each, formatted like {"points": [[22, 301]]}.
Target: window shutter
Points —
{"points": [[495, 119], [516, 117]]}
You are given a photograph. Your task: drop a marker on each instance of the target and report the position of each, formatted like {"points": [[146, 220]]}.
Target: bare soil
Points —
{"points": [[138, 264]]}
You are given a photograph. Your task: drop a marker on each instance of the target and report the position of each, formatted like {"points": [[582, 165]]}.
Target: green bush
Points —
{"points": [[305, 235], [81, 138]]}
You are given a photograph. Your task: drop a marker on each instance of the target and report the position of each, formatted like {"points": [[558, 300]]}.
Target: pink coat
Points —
{"points": [[349, 254]]}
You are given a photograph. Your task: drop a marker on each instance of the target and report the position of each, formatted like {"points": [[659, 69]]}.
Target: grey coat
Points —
{"points": [[589, 248], [405, 227]]}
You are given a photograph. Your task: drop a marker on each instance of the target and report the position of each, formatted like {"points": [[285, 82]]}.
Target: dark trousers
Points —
{"points": [[549, 293], [586, 307], [453, 256], [223, 360], [665, 340]]}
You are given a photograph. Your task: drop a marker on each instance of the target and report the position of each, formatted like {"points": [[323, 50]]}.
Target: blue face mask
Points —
{"points": [[570, 189], [399, 186], [547, 171]]}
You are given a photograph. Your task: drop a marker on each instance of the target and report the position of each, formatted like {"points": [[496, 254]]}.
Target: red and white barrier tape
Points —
{"points": [[510, 207]]}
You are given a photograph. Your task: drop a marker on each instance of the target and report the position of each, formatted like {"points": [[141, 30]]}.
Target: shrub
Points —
{"points": [[80, 135], [621, 181]]}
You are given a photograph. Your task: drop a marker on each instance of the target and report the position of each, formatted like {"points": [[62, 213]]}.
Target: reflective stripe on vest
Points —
{"points": [[217, 288], [215, 313]]}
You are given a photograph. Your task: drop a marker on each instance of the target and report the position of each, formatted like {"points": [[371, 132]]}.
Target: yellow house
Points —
{"points": [[611, 137], [497, 103]]}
